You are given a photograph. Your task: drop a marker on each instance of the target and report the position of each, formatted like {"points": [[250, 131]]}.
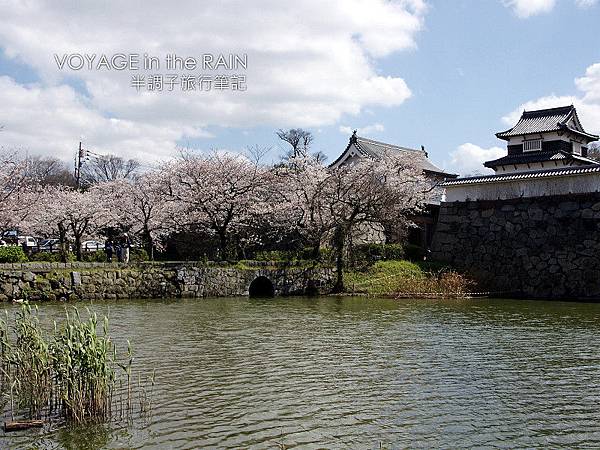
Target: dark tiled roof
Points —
{"points": [[533, 157], [524, 175], [376, 149], [546, 120]]}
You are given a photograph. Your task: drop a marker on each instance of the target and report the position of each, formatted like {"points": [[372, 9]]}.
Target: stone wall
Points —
{"points": [[74, 281], [544, 247]]}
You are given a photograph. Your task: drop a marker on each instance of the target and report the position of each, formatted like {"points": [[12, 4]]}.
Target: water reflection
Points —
{"points": [[354, 372]]}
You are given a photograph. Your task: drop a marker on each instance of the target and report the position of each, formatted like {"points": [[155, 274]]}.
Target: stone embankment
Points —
{"points": [[99, 281], [543, 247]]}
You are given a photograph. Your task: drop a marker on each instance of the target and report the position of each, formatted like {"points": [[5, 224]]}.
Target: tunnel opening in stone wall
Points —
{"points": [[261, 287]]}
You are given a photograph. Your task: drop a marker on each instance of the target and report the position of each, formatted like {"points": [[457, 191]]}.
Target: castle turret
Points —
{"points": [[544, 139]]}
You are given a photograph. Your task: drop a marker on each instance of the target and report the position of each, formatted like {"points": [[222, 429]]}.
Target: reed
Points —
{"points": [[69, 373]]}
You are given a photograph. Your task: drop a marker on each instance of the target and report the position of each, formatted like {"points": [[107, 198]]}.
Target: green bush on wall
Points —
{"points": [[50, 257], [94, 256], [369, 253], [137, 255], [12, 254], [305, 254], [414, 252]]}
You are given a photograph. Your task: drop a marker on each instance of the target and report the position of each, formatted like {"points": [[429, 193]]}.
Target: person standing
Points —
{"points": [[125, 250], [108, 248], [119, 250]]}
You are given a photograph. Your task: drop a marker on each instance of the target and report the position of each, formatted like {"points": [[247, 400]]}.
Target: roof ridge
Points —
{"points": [[558, 110], [526, 174], [385, 144]]}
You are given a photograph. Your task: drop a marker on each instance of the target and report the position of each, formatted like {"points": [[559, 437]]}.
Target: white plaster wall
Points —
{"points": [[501, 190], [532, 166], [553, 136]]}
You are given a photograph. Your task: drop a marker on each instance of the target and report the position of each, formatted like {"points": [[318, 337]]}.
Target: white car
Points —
{"points": [[91, 246], [27, 241]]}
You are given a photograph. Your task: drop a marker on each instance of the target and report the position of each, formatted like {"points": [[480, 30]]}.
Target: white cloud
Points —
{"points": [[587, 103], [468, 159], [300, 73], [528, 8], [585, 3], [364, 131], [549, 101], [52, 121]]}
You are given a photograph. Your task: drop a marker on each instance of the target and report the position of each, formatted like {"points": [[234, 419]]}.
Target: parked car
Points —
{"points": [[10, 237], [49, 245], [27, 241], [91, 246]]}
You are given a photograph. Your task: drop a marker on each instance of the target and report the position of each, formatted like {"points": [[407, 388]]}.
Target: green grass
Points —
{"points": [[383, 277], [400, 277]]}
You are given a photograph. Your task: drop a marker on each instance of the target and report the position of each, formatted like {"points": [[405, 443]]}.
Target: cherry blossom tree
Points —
{"points": [[140, 204], [384, 190], [220, 192], [299, 185], [70, 214], [17, 190], [331, 204]]}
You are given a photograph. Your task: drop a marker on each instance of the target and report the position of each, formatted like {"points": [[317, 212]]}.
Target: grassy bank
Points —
{"points": [[408, 279]]}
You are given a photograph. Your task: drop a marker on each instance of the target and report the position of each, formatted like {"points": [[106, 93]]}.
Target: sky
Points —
{"points": [[444, 74]]}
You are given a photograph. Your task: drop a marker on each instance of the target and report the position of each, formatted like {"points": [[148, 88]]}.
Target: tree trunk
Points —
{"points": [[149, 243], [339, 241], [316, 250], [63, 244], [222, 245], [77, 246]]}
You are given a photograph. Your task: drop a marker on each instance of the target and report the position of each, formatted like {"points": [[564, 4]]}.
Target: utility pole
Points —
{"points": [[78, 163]]}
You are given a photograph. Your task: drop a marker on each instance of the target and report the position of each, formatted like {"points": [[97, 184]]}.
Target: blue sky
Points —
{"points": [[443, 74]]}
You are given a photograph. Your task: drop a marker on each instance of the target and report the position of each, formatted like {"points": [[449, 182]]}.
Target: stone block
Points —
{"points": [[487, 213], [28, 276], [75, 278], [587, 214], [569, 206]]}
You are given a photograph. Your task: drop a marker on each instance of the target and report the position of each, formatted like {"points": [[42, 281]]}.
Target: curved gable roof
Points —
{"points": [[563, 118], [376, 149]]}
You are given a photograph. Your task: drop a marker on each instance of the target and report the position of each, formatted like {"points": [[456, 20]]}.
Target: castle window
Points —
{"points": [[532, 146]]}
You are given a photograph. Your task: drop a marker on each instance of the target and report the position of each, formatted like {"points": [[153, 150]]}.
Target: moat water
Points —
{"points": [[352, 373]]}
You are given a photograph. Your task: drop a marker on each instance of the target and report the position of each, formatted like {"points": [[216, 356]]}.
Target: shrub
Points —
{"points": [[96, 256], [326, 254], [274, 255], [50, 257], [12, 254], [307, 253], [369, 253], [414, 252], [138, 254]]}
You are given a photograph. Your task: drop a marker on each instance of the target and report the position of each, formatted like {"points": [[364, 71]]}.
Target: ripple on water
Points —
{"points": [[342, 373]]}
